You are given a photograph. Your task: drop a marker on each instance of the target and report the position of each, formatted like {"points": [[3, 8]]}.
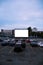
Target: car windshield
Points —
{"points": [[41, 42], [34, 42], [19, 41]]}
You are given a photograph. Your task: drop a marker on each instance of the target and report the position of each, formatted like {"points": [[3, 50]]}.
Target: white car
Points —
{"points": [[40, 43]]}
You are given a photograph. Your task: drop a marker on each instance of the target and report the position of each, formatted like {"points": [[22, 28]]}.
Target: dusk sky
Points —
{"points": [[21, 13]]}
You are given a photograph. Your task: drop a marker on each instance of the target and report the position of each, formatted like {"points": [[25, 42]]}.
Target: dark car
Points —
{"points": [[1, 41], [23, 43], [27, 40], [34, 43], [19, 46], [12, 42], [5, 42]]}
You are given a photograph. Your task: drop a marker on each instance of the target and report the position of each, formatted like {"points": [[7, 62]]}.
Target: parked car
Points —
{"points": [[12, 42], [1, 41], [27, 41], [19, 46], [5, 42], [40, 43], [23, 43], [34, 43]]}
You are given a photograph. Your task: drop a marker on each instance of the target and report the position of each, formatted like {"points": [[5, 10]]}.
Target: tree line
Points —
{"points": [[34, 32]]}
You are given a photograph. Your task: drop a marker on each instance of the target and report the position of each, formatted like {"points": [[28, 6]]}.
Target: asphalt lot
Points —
{"points": [[30, 56]]}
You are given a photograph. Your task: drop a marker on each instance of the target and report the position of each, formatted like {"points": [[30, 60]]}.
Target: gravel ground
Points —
{"points": [[30, 56]]}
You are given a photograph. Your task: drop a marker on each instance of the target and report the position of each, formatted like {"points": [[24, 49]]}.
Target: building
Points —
{"points": [[7, 32]]}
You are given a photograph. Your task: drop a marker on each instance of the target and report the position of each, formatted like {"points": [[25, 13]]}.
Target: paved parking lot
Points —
{"points": [[30, 56]]}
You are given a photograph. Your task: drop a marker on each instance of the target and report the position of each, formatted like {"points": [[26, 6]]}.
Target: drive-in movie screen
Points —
{"points": [[21, 33]]}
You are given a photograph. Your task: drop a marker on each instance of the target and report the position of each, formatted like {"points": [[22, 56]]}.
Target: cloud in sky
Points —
{"points": [[21, 13]]}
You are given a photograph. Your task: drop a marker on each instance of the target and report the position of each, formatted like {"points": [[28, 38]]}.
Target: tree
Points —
{"points": [[35, 31], [29, 31]]}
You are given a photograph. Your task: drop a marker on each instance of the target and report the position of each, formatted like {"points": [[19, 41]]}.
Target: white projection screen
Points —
{"points": [[21, 33]]}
